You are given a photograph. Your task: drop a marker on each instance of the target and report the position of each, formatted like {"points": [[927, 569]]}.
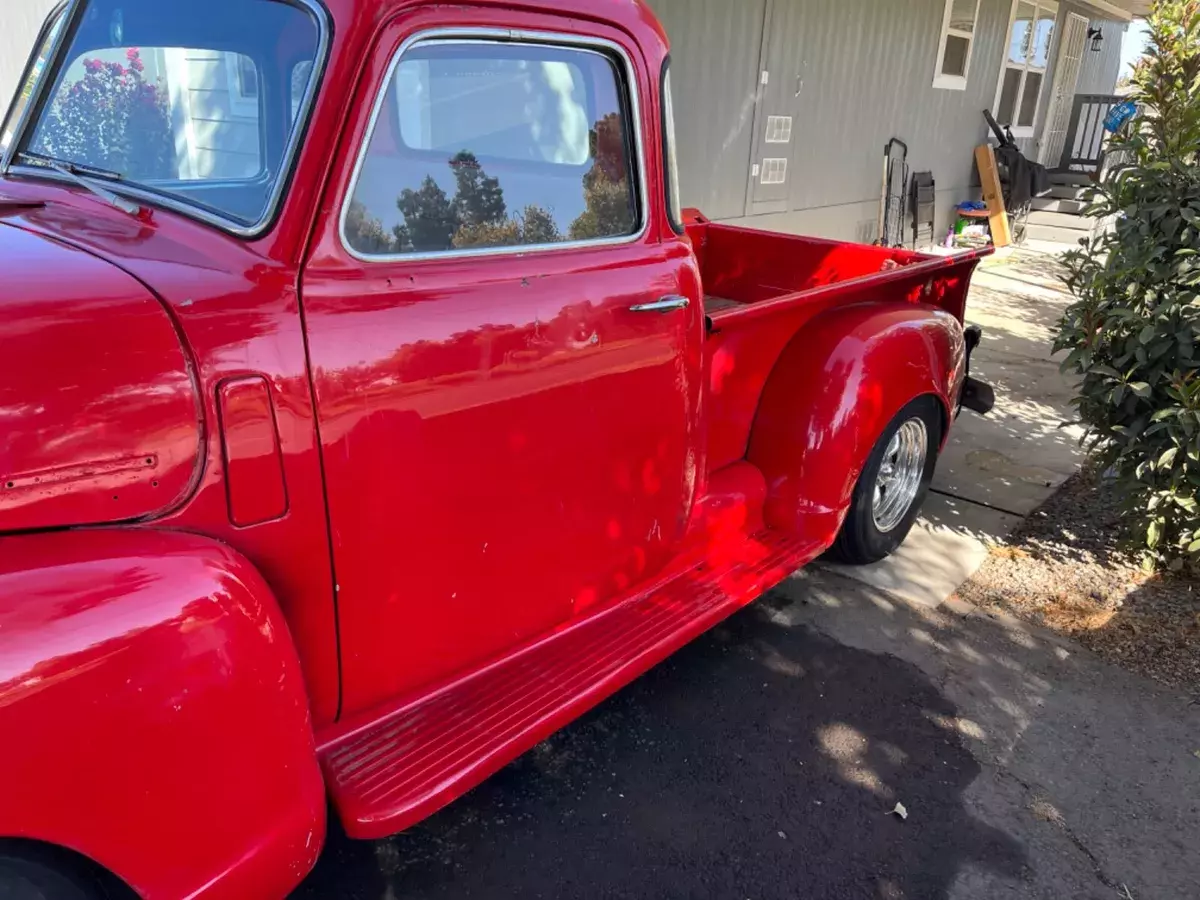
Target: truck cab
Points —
{"points": [[372, 409]]}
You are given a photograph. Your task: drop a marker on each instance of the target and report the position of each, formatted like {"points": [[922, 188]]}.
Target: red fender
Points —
{"points": [[834, 389], [153, 714]]}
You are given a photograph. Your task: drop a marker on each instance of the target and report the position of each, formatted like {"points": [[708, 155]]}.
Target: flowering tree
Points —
{"points": [[112, 118]]}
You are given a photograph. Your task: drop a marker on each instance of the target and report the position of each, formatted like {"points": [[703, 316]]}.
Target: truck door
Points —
{"points": [[505, 352]]}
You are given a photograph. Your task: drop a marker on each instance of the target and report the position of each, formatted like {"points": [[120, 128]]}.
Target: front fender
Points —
{"points": [[153, 714], [834, 389]]}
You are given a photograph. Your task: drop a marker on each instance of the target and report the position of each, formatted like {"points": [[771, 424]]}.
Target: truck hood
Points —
{"points": [[99, 412]]}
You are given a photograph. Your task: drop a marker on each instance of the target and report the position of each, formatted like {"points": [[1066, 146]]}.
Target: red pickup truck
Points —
{"points": [[371, 410]]}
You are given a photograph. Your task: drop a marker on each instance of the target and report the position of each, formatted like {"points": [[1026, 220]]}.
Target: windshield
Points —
{"points": [[198, 101]]}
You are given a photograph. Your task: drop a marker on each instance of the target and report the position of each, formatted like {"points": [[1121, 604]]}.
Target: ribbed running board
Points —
{"points": [[399, 769]]}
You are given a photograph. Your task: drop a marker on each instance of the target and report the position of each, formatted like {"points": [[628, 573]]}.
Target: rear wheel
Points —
{"points": [[41, 873], [892, 487]]}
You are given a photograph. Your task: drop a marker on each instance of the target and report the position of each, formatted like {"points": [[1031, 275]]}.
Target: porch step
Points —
{"points": [[1067, 192], [393, 772], [1051, 204], [1061, 220], [1071, 178], [1053, 234]]}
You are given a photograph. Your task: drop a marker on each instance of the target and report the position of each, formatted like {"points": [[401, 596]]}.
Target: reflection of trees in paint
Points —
{"points": [[609, 202], [477, 215]]}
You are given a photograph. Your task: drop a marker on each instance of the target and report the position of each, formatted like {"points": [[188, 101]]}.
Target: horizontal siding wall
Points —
{"points": [[859, 73], [1099, 72], [715, 46], [21, 21]]}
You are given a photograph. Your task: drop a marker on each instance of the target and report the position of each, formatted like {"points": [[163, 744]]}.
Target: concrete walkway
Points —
{"points": [[999, 468]]}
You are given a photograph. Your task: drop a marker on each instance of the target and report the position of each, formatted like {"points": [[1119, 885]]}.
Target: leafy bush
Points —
{"points": [[112, 118], [1133, 328]]}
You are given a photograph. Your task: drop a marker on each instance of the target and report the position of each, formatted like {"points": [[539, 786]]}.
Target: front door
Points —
{"points": [[507, 439], [1066, 78]]}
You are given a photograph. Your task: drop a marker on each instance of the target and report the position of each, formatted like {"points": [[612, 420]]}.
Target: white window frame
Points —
{"points": [[954, 82], [1026, 131], [239, 103]]}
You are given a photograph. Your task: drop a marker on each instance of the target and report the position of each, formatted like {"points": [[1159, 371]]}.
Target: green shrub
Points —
{"points": [[1132, 330]]}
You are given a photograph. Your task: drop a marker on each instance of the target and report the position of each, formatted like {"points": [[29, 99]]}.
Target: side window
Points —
{"points": [[957, 41], [483, 144]]}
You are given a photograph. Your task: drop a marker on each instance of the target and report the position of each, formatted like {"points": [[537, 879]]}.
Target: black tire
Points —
{"points": [[37, 873], [861, 541]]}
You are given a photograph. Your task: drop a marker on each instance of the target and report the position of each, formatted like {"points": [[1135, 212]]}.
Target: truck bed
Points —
{"points": [[762, 287]]}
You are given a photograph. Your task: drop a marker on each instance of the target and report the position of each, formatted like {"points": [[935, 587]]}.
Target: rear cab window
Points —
{"points": [[481, 145]]}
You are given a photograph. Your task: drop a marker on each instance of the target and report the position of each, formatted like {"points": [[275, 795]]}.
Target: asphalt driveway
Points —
{"points": [[760, 762]]}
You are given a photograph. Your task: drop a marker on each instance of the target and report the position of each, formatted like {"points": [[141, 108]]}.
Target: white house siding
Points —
{"points": [[852, 74], [219, 137], [20, 22], [1099, 72]]}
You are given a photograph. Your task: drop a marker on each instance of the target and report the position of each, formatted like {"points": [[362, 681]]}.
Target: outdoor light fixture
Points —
{"points": [[1096, 36]]}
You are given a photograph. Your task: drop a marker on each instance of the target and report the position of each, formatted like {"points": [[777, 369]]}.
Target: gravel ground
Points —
{"points": [[1064, 569]]}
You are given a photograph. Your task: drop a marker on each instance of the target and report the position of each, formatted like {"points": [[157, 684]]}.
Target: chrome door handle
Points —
{"points": [[665, 305]]}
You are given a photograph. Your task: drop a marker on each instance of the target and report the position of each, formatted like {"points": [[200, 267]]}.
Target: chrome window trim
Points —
{"points": [[67, 9], [192, 210], [513, 37]]}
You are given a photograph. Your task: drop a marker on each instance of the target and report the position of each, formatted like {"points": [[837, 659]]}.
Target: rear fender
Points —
{"points": [[834, 389], [154, 714]]}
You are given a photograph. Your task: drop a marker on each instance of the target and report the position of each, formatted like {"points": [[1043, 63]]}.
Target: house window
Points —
{"points": [[957, 41], [243, 85], [1023, 75]]}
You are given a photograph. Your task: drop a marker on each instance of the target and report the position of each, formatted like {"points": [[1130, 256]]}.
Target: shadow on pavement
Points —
{"points": [[761, 761]]}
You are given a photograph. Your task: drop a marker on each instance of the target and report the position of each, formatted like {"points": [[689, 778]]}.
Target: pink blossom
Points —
{"points": [[137, 65], [131, 54]]}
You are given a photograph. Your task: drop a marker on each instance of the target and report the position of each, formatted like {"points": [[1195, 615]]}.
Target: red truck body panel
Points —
{"points": [[473, 495], [145, 676], [98, 401]]}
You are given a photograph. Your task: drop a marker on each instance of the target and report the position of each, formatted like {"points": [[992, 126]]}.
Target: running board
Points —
{"points": [[397, 770]]}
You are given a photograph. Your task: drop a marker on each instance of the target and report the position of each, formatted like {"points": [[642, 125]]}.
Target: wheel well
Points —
{"points": [[66, 860]]}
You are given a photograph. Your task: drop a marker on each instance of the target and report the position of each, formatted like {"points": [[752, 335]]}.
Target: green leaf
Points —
{"points": [[1148, 334], [1168, 458], [1194, 546], [1141, 389], [1154, 534]]}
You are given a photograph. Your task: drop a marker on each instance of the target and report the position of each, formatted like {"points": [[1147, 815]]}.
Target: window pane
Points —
{"points": [[962, 15], [1008, 96], [175, 98], [298, 84], [1020, 41], [157, 114], [1029, 100], [955, 60], [1043, 38], [492, 146]]}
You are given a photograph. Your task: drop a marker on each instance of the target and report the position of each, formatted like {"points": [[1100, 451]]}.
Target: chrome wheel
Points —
{"points": [[900, 474]]}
